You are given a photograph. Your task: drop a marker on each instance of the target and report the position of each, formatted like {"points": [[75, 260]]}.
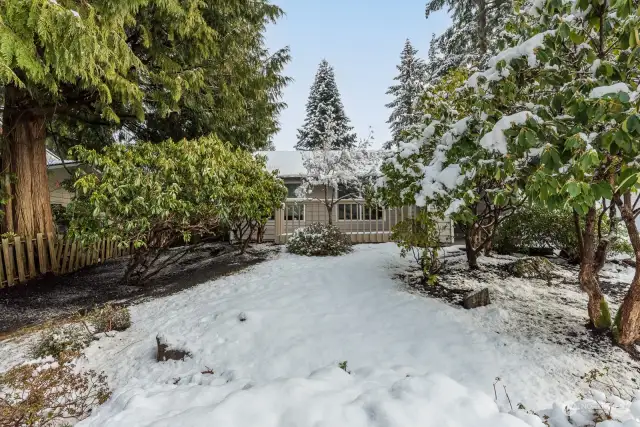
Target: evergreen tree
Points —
{"points": [[325, 106], [472, 37], [408, 90], [76, 71]]}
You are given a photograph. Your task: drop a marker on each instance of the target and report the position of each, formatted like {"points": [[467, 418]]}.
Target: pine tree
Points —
{"points": [[324, 106], [408, 90], [472, 37], [77, 71]]}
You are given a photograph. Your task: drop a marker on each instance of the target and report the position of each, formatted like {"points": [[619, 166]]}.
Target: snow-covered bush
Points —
{"points": [[420, 237], [57, 341], [47, 392], [319, 240], [110, 318]]}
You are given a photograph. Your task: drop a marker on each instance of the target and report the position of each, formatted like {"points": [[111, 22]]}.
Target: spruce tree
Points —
{"points": [[76, 71], [406, 92], [325, 106], [472, 37]]}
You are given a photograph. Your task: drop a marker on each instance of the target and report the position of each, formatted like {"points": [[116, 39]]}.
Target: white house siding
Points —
{"points": [[59, 195]]}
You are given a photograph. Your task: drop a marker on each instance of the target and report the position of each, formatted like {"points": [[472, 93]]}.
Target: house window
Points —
{"points": [[373, 212], [356, 211], [291, 190], [349, 211], [294, 212]]}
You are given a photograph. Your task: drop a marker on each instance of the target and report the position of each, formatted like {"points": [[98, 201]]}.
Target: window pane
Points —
{"points": [[295, 212], [291, 190], [372, 213], [349, 211]]}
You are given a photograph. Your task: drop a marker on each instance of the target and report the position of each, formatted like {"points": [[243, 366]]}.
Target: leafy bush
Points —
{"points": [[419, 237], [319, 240], [47, 392], [537, 227], [57, 341], [540, 227], [110, 318], [158, 196]]}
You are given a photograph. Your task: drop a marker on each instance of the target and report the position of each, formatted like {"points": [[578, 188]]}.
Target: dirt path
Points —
{"points": [[53, 298]]}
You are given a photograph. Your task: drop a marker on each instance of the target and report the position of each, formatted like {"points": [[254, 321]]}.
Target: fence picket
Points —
{"points": [[8, 261], [20, 259], [42, 260], [51, 243], [31, 257], [72, 256], [1, 273], [64, 256]]}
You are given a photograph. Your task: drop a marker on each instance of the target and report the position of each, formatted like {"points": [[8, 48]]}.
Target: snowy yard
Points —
{"points": [[414, 361]]}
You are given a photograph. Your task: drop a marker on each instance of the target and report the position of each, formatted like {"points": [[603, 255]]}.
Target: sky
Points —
{"points": [[362, 40]]}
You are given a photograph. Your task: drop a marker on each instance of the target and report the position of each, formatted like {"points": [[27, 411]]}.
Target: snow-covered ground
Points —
{"points": [[413, 361]]}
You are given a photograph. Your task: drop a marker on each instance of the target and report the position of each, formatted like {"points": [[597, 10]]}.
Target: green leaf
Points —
{"points": [[573, 189]]}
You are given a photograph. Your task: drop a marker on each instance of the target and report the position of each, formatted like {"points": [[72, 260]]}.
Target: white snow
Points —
{"points": [[526, 48], [495, 139], [414, 361], [304, 315], [615, 88]]}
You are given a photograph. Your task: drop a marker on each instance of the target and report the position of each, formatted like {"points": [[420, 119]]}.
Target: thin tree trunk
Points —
{"points": [[629, 327], [24, 155], [472, 254], [588, 275]]}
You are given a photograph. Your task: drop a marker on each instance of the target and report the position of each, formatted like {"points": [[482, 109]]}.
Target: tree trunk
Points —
{"points": [[629, 327], [472, 254], [588, 275], [24, 156], [330, 213]]}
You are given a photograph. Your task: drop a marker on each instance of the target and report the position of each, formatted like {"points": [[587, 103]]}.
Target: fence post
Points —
{"points": [[64, 256], [52, 251], [8, 260], [1, 272], [42, 260], [31, 257], [72, 256], [20, 259]]}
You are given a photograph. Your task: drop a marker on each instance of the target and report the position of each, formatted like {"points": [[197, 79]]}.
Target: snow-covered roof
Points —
{"points": [[289, 163], [55, 160]]}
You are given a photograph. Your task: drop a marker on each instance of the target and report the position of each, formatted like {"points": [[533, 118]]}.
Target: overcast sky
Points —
{"points": [[362, 40]]}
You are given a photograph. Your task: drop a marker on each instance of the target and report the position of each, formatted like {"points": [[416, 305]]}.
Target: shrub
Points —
{"points": [[47, 392], [540, 227], [110, 318], [57, 341], [419, 237], [319, 240], [537, 227], [157, 196]]}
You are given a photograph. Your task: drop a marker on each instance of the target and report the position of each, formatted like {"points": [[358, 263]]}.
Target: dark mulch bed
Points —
{"points": [[57, 297]]}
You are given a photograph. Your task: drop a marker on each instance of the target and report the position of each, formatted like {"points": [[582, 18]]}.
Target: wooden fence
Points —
{"points": [[363, 224], [24, 259]]}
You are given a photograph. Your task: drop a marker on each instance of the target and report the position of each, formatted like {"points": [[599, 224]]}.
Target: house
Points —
{"points": [[362, 223], [59, 170]]}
